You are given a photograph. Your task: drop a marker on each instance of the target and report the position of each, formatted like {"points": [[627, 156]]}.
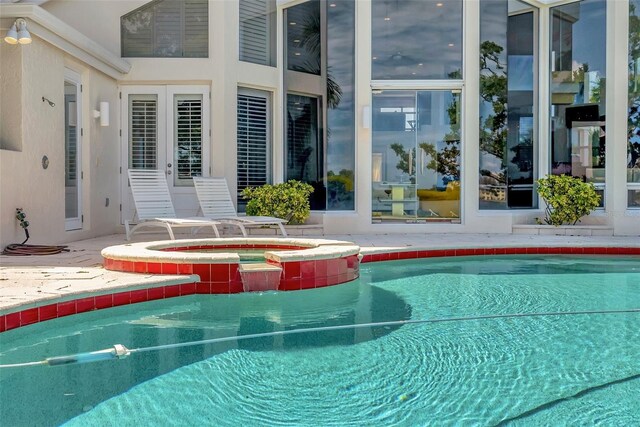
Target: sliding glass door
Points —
{"points": [[416, 156]]}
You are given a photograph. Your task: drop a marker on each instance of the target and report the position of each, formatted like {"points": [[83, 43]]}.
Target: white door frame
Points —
{"points": [[184, 197], [75, 223]]}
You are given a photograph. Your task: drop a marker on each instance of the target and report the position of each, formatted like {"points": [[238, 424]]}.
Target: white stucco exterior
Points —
{"points": [[33, 129]]}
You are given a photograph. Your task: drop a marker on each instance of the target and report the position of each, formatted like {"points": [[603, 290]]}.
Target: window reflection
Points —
{"points": [[578, 61], [507, 111], [340, 105], [305, 156], [304, 39], [416, 39], [416, 156], [633, 131]]}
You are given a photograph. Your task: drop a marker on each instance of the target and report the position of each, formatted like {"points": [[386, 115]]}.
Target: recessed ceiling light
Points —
{"points": [[439, 4], [297, 54], [451, 44], [332, 5], [413, 74], [375, 57], [296, 41], [386, 18], [292, 23], [420, 64]]}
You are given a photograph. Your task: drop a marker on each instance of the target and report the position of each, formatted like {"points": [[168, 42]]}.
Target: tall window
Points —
{"points": [[304, 149], [254, 141], [416, 39], [507, 107], [633, 147], [167, 28], [578, 65], [304, 38], [341, 117], [258, 32]]}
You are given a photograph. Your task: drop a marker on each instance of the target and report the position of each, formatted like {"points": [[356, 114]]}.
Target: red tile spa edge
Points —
{"points": [[224, 278]]}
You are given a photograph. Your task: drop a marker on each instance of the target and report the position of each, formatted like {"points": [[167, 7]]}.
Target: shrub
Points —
{"points": [[568, 199], [288, 200]]}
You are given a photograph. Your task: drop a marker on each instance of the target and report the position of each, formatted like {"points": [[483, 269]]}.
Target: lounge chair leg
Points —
{"points": [[168, 227], [244, 230], [215, 230], [126, 228], [284, 232]]}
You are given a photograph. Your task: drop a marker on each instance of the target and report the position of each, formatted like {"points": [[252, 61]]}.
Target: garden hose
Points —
{"points": [[22, 249]]}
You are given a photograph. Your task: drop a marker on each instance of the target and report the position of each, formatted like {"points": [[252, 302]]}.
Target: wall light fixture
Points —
{"points": [[18, 33]]}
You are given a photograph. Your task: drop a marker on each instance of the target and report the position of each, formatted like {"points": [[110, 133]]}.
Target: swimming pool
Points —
{"points": [[534, 370]]}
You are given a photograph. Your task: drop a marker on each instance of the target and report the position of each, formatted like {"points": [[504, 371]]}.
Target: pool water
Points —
{"points": [[546, 370]]}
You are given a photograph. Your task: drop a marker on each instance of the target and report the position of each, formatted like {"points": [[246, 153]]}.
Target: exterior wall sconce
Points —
{"points": [[18, 33], [103, 113]]}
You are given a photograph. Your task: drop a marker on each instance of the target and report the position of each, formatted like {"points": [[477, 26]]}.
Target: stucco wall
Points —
{"points": [[25, 183], [10, 97]]}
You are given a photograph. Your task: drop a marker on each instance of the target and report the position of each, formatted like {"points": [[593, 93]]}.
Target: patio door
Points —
{"points": [[166, 128], [415, 159]]}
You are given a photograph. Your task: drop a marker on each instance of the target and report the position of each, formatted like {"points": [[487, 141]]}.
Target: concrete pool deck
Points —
{"points": [[31, 280]]}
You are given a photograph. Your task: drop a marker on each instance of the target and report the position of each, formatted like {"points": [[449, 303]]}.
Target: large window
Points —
{"points": [[304, 37], [167, 28], [258, 31], [578, 65], [416, 156], [416, 39], [507, 106], [254, 141], [633, 147], [304, 148], [341, 116]]}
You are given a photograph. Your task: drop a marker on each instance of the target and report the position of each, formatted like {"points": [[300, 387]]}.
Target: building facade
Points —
{"points": [[409, 116]]}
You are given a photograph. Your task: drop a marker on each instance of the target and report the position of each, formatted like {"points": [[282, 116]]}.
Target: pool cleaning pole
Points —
{"points": [[117, 352]]}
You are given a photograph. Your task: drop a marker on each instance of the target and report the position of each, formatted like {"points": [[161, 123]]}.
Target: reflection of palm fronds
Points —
{"points": [[334, 91], [310, 39]]}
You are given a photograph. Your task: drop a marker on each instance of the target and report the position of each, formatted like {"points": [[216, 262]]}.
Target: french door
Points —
{"points": [[166, 128]]}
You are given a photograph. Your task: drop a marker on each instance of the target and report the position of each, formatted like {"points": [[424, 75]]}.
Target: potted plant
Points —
{"points": [[567, 199], [288, 200]]}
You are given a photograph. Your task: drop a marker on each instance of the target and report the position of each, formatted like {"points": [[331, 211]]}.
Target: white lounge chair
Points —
{"points": [[154, 207], [215, 203]]}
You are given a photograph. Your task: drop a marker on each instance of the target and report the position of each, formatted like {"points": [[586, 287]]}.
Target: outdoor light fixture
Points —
{"points": [[18, 33], [103, 113]]}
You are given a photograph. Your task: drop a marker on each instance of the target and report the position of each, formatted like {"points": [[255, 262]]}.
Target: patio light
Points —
{"points": [[18, 33]]}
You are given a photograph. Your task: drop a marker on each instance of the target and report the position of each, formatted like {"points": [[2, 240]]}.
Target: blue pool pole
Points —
{"points": [[117, 352]]}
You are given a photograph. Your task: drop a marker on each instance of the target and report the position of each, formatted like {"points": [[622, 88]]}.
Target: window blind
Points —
{"points": [[188, 138], [143, 132], [167, 28], [256, 31], [253, 143]]}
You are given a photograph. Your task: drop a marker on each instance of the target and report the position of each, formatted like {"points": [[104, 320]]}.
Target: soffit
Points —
{"points": [[60, 34]]}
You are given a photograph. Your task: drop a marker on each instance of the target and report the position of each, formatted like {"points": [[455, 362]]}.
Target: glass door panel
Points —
{"points": [[416, 156], [72, 169]]}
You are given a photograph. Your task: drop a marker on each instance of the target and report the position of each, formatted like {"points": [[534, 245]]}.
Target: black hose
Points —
{"points": [[20, 249]]}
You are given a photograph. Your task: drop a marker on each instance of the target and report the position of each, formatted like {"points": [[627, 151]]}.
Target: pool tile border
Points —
{"points": [[296, 276]]}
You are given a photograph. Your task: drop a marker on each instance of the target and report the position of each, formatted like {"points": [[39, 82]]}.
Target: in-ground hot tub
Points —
{"points": [[225, 265]]}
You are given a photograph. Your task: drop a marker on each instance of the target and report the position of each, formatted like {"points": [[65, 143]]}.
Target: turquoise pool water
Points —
{"points": [[548, 370]]}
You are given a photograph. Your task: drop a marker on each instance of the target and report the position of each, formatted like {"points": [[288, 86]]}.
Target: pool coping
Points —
{"points": [[174, 286]]}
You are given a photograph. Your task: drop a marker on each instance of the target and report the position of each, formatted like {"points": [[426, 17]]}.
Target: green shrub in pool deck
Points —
{"points": [[567, 198], [288, 199]]}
